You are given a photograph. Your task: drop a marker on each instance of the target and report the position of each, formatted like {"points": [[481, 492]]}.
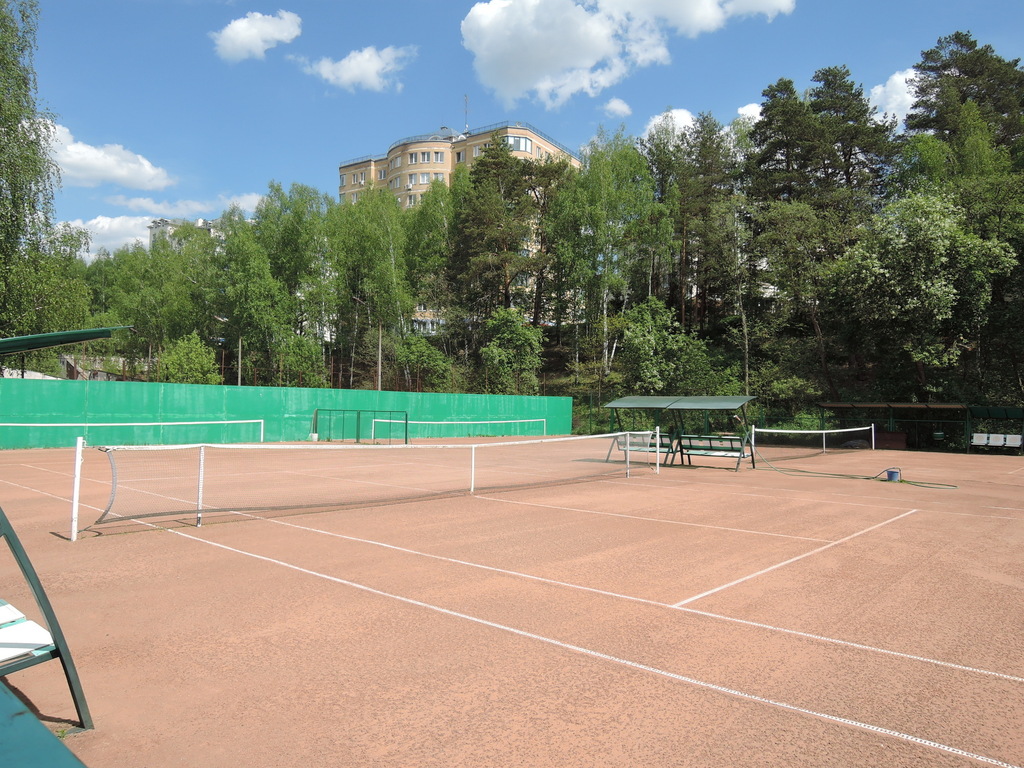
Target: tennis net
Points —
{"points": [[149, 481], [782, 444]]}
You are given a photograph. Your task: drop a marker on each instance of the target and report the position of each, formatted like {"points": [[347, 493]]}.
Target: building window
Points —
{"points": [[355, 197], [438, 177], [412, 158], [439, 157], [382, 174], [424, 178], [520, 144], [460, 157], [412, 179], [341, 198], [362, 177], [343, 179], [478, 150]]}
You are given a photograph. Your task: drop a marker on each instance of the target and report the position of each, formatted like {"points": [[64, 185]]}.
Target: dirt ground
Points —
{"points": [[696, 617]]}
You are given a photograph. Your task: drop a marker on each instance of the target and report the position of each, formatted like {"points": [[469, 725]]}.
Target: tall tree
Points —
{"points": [[41, 285], [958, 70], [255, 303], [915, 291], [27, 174], [708, 169], [495, 231], [787, 146]]}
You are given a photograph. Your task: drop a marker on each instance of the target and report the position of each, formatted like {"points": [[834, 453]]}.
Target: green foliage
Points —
{"points": [[27, 174], [423, 367], [957, 71], [189, 361], [41, 286], [511, 357], [301, 363], [919, 283], [658, 358]]}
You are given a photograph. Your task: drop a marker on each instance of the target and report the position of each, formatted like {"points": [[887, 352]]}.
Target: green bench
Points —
{"points": [[724, 446]]}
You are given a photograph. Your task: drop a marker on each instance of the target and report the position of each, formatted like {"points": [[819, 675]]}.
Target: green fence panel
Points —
{"points": [[53, 413]]}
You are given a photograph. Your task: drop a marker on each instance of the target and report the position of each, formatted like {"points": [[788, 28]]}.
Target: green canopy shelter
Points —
{"points": [[670, 411], [17, 344]]}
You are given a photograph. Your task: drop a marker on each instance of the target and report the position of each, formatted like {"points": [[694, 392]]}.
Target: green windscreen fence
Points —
{"points": [[52, 414]]}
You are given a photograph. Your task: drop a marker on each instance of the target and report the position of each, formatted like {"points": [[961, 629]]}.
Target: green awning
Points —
{"points": [[700, 403], [996, 412], [642, 401], [898, 406], [16, 344]]}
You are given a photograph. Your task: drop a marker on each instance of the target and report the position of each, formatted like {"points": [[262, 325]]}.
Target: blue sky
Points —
{"points": [[178, 108]]}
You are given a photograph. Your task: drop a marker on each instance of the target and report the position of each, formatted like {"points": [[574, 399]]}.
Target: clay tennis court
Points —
{"points": [[696, 617]]}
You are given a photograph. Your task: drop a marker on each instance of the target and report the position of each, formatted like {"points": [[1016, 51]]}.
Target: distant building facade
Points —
{"points": [[412, 164], [165, 228]]}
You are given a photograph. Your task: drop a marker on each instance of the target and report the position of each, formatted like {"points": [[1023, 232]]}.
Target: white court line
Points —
{"points": [[810, 498], [792, 560], [632, 598], [614, 659], [35, 490], [985, 517], [648, 519]]}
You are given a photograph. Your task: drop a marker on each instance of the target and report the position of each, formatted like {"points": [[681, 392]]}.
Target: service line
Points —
{"points": [[648, 519], [642, 600], [791, 560]]}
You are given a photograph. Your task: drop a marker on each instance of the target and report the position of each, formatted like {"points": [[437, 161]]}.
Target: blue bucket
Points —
{"points": [[892, 475]]}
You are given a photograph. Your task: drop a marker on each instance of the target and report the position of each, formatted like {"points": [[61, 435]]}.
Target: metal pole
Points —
{"points": [[79, 445], [239, 359], [199, 496], [380, 340]]}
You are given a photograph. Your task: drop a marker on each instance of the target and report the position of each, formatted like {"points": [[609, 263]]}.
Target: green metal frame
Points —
{"points": [[58, 649], [354, 421]]}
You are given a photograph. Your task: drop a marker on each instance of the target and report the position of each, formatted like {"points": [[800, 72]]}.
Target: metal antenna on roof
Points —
{"points": [[466, 97]]}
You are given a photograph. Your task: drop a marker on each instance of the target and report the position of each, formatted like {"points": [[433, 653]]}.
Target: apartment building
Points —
{"points": [[412, 164]]}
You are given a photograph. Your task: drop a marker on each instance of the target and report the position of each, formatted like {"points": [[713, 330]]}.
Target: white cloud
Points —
{"points": [[176, 209], [555, 49], [251, 37], [85, 165], [186, 209], [369, 68], [246, 202], [677, 118], [113, 232], [750, 111], [617, 108], [895, 97]]}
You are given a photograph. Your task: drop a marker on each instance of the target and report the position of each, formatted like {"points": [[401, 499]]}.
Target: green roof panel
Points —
{"points": [[663, 403]]}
